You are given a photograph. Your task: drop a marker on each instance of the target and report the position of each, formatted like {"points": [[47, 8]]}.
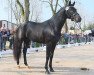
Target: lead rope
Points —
{"points": [[77, 25]]}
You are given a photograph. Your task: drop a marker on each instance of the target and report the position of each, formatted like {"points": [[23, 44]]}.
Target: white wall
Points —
{"points": [[7, 25]]}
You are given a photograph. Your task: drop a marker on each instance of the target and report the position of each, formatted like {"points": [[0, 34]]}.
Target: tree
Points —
{"points": [[53, 8], [89, 27], [35, 10], [22, 14], [53, 5], [66, 26], [66, 2], [24, 10], [14, 9]]}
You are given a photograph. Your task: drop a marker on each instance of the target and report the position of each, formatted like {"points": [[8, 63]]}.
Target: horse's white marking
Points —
{"points": [[67, 8]]}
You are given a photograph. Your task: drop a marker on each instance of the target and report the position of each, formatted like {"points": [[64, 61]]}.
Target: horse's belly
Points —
{"points": [[52, 39], [37, 39]]}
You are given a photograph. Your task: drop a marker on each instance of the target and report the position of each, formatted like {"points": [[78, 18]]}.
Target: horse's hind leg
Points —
{"points": [[18, 63], [24, 54], [17, 50]]}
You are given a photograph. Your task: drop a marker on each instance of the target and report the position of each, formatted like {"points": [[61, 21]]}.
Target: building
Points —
{"points": [[6, 24]]}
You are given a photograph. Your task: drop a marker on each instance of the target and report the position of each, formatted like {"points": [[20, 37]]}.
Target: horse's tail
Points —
{"points": [[17, 44]]}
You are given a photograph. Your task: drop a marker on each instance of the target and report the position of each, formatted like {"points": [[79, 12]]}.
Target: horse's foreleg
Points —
{"points": [[51, 57], [50, 62], [47, 58]]}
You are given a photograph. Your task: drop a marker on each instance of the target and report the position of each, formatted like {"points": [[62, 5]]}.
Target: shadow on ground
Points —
{"points": [[58, 71]]}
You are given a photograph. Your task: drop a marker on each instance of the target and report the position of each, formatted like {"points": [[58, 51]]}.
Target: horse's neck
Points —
{"points": [[59, 19]]}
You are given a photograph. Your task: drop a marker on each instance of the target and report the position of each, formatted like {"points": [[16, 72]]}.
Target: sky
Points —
{"points": [[84, 7]]}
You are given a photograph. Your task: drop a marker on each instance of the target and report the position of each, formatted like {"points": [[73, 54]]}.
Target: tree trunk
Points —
{"points": [[66, 26], [24, 10], [52, 6], [21, 9], [27, 12]]}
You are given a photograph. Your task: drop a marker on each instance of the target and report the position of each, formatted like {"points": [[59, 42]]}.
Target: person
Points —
{"points": [[66, 37], [0, 40], [4, 38], [11, 38], [8, 34]]}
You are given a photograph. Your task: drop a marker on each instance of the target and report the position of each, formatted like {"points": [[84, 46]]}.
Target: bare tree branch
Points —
{"points": [[27, 12], [59, 5], [15, 12], [56, 5], [21, 7], [66, 26]]}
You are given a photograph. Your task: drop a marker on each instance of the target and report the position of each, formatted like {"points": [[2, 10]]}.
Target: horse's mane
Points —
{"points": [[61, 9], [59, 13]]}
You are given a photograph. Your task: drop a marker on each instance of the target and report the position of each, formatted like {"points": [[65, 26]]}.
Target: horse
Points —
{"points": [[47, 32]]}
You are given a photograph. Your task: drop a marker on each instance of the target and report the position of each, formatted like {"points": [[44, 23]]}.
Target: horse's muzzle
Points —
{"points": [[77, 18]]}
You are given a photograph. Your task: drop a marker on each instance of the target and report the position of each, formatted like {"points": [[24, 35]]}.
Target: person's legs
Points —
{"points": [[10, 43], [4, 45], [0, 44]]}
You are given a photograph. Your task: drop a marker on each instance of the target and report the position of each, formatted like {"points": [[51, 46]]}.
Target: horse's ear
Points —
{"points": [[69, 3], [73, 3]]}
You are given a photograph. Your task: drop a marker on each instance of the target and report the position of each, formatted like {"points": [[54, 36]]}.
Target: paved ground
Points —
{"points": [[67, 61]]}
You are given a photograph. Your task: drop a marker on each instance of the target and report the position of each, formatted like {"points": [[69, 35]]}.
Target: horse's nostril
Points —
{"points": [[79, 19]]}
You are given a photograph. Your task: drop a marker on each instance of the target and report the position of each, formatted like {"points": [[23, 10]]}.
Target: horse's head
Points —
{"points": [[71, 12]]}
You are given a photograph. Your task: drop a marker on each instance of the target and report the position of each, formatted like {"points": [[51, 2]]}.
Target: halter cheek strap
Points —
{"points": [[67, 13]]}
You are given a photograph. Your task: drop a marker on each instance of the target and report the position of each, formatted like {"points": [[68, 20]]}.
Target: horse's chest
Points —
{"points": [[56, 37], [53, 36]]}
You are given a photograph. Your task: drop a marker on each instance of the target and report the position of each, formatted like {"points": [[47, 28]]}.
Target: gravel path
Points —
{"points": [[77, 60]]}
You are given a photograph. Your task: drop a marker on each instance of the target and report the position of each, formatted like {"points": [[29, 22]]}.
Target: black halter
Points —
{"points": [[69, 15]]}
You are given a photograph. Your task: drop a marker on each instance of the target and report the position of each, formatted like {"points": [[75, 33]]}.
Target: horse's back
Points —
{"points": [[39, 32], [34, 31]]}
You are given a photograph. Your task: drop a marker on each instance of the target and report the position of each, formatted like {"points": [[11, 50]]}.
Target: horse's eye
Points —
{"points": [[71, 12], [75, 10]]}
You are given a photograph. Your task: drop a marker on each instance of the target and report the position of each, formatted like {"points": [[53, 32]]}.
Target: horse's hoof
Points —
{"points": [[29, 67], [48, 72], [51, 70], [18, 66]]}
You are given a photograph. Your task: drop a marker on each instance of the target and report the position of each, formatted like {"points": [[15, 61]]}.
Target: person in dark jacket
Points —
{"points": [[0, 40], [4, 37]]}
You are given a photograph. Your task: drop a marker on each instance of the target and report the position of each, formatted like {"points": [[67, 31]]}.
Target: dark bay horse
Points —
{"points": [[48, 32]]}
